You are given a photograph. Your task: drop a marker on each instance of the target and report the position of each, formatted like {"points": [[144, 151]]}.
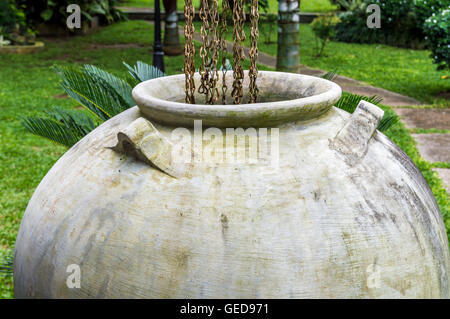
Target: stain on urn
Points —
{"points": [[334, 210]]}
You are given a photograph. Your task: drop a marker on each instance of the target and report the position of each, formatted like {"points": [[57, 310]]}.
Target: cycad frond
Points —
{"points": [[79, 123], [61, 126], [92, 92], [120, 86], [6, 265], [348, 102], [142, 72], [388, 121], [330, 76], [104, 94]]}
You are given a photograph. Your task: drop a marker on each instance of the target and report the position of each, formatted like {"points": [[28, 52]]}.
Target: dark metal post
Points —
{"points": [[158, 54]]}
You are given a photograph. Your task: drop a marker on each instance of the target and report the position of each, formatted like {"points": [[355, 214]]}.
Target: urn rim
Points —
{"points": [[159, 99]]}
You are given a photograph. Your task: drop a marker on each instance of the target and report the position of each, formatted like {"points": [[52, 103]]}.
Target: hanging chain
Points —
{"points": [[238, 50], [213, 33], [223, 48], [189, 52], [253, 53], [204, 49], [215, 49], [209, 52]]}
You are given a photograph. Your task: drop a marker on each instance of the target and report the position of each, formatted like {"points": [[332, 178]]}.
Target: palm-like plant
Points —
{"points": [[61, 126], [349, 101], [102, 93], [142, 72]]}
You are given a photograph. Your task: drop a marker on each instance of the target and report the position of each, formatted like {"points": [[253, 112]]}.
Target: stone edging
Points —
{"points": [[22, 49]]}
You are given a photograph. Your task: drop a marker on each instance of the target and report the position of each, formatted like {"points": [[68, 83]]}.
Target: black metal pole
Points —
{"points": [[158, 54]]}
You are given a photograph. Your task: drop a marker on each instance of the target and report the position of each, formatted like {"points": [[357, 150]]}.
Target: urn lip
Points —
{"points": [[307, 97]]}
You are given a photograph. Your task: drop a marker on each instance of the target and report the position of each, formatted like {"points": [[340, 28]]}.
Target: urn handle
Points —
{"points": [[353, 139], [143, 141]]}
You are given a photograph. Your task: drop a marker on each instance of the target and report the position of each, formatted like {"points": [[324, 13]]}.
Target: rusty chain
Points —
{"points": [[209, 51], [223, 48], [189, 52], [253, 53], [204, 49], [213, 32], [238, 50], [215, 49]]}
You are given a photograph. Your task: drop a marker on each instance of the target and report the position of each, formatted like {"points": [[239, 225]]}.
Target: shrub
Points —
{"points": [[347, 5], [437, 31], [398, 25], [10, 16], [423, 9], [54, 12], [324, 30], [13, 26]]}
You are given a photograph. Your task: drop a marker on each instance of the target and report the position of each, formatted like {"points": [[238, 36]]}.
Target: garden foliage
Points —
{"points": [[101, 93], [404, 23], [437, 31], [324, 30], [19, 18], [13, 25], [54, 11], [398, 25]]}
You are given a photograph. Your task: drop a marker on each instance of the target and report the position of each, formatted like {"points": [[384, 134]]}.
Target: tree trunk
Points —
{"points": [[288, 55], [171, 44]]}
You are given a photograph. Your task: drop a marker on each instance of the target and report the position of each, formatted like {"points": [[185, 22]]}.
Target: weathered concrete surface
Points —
{"points": [[282, 97], [444, 174], [434, 147], [425, 118], [313, 226]]}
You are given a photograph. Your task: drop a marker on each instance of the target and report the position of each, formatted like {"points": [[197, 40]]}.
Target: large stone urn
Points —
{"points": [[146, 207]]}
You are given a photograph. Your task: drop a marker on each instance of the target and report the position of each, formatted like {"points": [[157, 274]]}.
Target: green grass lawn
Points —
{"points": [[306, 5], [28, 86]]}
